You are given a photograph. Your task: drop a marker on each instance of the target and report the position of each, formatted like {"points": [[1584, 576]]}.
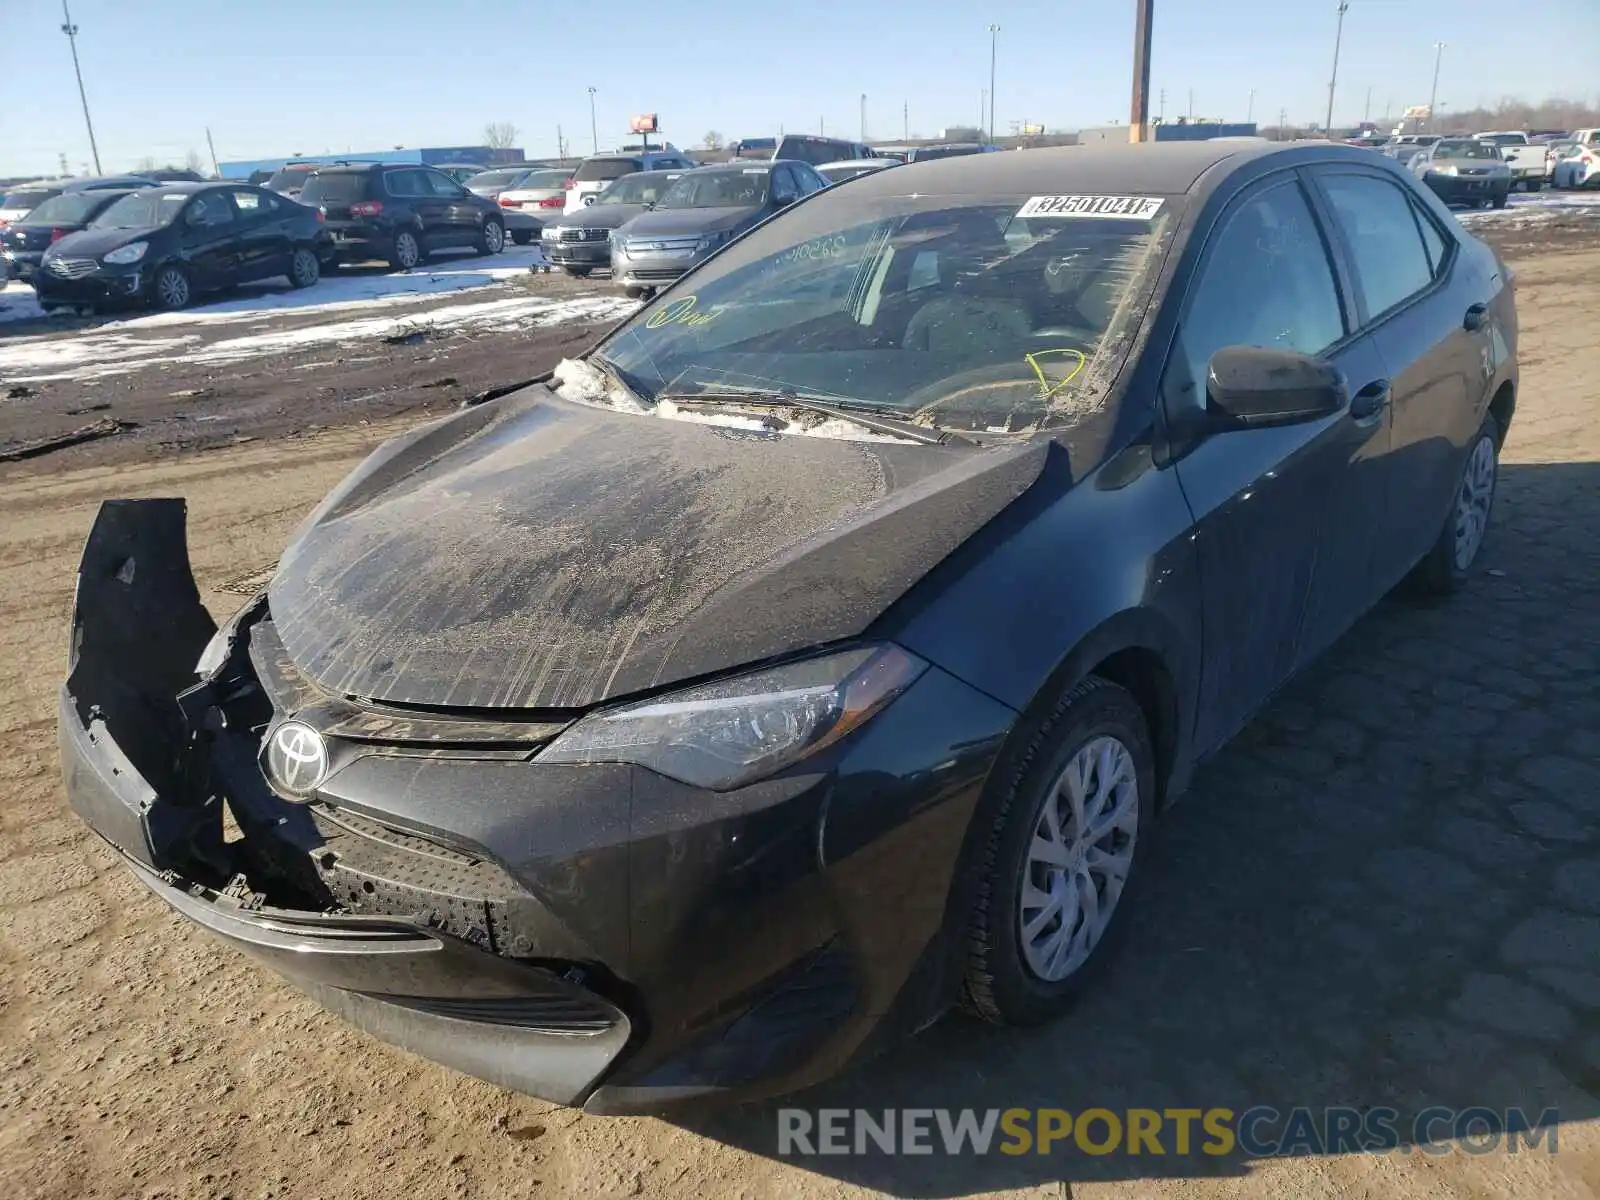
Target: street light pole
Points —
{"points": [[1250, 111], [1433, 96], [594, 126], [71, 30], [1338, 37], [994, 35], [863, 116]]}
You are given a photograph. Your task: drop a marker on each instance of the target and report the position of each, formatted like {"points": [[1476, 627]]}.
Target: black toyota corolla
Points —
{"points": [[818, 651]]}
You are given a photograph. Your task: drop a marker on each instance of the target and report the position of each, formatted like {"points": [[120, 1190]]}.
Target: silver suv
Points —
{"points": [[596, 171]]}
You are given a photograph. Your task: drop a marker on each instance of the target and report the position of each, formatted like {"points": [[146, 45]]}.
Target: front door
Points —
{"points": [[1281, 515]]}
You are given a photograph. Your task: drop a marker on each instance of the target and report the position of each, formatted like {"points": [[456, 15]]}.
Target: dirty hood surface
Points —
{"points": [[538, 553]]}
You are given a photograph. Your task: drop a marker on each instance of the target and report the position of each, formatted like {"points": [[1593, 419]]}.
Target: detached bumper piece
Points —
{"points": [[150, 761]]}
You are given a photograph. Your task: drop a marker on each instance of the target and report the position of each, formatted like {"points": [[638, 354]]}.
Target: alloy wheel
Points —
{"points": [[494, 237], [172, 286], [304, 268], [1473, 502], [1079, 859], [405, 249]]}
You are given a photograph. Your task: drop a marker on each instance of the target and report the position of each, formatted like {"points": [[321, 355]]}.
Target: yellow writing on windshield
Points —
{"points": [[1055, 360], [679, 312]]}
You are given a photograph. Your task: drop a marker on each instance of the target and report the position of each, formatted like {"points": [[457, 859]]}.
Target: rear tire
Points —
{"points": [[304, 269], [578, 272], [521, 236], [1500, 200], [634, 293], [171, 288], [406, 251], [1449, 564], [492, 237], [1533, 185], [1052, 898]]}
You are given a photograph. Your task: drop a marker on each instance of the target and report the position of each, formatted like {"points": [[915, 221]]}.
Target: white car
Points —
{"points": [[537, 197], [596, 171], [1582, 167], [849, 168]]}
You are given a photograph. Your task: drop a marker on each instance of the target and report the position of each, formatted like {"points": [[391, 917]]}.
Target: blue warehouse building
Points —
{"points": [[244, 168]]}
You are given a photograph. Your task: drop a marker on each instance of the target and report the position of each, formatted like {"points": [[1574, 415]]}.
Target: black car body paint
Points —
{"points": [[602, 934]]}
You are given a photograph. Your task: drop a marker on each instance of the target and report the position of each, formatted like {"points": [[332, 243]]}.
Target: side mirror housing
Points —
{"points": [[1252, 388]]}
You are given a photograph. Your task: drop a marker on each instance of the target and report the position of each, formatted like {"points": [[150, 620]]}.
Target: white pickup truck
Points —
{"points": [[1524, 157]]}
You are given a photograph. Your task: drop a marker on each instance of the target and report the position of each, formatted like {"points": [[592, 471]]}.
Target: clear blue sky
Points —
{"points": [[281, 76]]}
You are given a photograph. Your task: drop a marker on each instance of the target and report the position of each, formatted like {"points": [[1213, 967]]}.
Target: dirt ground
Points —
{"points": [[1385, 893]]}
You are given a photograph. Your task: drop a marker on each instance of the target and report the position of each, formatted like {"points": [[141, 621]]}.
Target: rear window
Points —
{"points": [[598, 170], [544, 179], [29, 198], [815, 151], [497, 179], [340, 185], [289, 177], [71, 208]]}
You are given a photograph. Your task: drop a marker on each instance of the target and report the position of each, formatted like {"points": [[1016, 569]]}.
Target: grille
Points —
{"points": [[584, 235], [660, 245], [663, 274], [572, 1013], [73, 268]]}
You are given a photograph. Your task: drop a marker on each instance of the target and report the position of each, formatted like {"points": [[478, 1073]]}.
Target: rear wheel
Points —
{"points": [[1533, 185], [635, 293], [1500, 199], [407, 250], [1450, 562], [1061, 843], [581, 273], [521, 236], [304, 269], [171, 287], [492, 238]]}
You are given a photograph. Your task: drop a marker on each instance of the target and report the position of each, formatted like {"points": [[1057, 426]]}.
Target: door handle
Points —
{"points": [[1474, 318], [1370, 400]]}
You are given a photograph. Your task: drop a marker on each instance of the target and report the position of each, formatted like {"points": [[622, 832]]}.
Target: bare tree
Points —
{"points": [[499, 135], [193, 162], [145, 164], [713, 140]]}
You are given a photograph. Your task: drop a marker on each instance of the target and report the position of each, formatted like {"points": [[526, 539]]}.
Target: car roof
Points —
{"points": [[860, 162], [185, 187], [1147, 168]]}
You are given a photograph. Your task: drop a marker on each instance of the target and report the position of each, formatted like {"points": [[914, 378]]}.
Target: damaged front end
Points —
{"points": [[161, 725]]}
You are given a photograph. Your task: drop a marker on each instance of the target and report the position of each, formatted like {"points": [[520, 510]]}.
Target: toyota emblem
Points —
{"points": [[296, 760]]}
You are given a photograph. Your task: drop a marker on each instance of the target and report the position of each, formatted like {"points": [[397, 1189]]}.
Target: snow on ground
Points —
{"points": [[1529, 208], [338, 289], [113, 350]]}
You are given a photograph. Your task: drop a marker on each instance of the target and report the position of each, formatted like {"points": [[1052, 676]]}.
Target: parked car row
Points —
{"points": [[1485, 168]]}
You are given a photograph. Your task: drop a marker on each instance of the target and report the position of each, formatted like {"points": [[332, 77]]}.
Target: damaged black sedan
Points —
{"points": [[818, 651]]}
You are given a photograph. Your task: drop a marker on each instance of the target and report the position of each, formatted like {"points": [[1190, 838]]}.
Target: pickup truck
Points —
{"points": [[1523, 156]]}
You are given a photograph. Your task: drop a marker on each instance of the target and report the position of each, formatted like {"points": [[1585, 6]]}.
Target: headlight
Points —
{"points": [[725, 734], [550, 233], [130, 253], [711, 241], [1437, 170]]}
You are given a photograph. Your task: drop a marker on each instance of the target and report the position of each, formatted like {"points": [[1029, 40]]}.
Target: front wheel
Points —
{"points": [[1448, 565], [1533, 185], [579, 272], [635, 293], [172, 288], [304, 269], [492, 238], [1059, 845]]}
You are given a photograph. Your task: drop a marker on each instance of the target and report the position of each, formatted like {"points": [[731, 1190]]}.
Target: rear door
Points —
{"points": [[1414, 289], [409, 188], [263, 242], [1282, 516]]}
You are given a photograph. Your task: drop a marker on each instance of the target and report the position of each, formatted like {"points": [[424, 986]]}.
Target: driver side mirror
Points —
{"points": [[1252, 388]]}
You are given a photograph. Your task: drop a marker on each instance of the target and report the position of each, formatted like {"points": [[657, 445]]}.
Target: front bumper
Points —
{"points": [[651, 270], [106, 284], [1460, 189], [595, 255], [594, 935]]}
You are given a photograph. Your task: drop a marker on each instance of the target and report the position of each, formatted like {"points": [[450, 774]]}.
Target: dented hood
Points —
{"points": [[536, 553]]}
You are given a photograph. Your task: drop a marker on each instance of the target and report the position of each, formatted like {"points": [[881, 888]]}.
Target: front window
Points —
{"points": [[744, 188], [142, 210], [642, 187], [993, 313], [603, 170], [1466, 149]]}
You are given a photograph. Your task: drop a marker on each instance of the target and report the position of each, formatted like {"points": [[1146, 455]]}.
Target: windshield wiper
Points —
{"points": [[868, 416]]}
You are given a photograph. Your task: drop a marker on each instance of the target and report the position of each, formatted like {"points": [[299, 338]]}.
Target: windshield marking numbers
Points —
{"points": [[1047, 389], [1118, 208], [679, 312]]}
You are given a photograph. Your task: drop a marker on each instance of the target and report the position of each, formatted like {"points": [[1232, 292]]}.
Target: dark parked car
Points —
{"points": [[819, 650], [1465, 171], [23, 198], [580, 242], [165, 245], [23, 243], [704, 209], [401, 213], [177, 175]]}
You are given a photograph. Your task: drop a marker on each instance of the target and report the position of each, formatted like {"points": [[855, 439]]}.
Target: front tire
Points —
{"points": [[1062, 840], [304, 269], [407, 250], [1449, 564], [492, 238], [171, 288], [1533, 185], [635, 293], [577, 272]]}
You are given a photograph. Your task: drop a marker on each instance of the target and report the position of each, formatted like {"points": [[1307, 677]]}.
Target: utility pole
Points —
{"points": [[212, 146], [863, 116], [1139, 109], [905, 121], [71, 30], [1433, 95], [594, 127], [1338, 37], [1191, 106], [1161, 116], [1283, 123], [1366, 113], [994, 41], [1250, 109], [561, 145]]}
